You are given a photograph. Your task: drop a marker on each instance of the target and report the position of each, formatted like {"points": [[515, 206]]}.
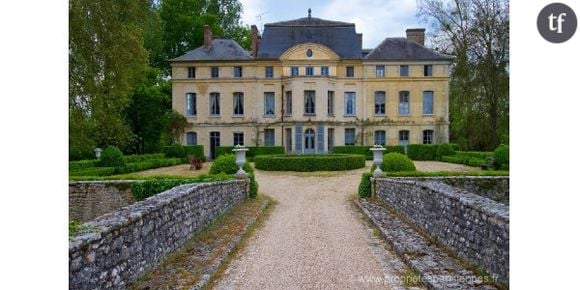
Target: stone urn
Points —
{"points": [[240, 152], [98, 152], [378, 158]]}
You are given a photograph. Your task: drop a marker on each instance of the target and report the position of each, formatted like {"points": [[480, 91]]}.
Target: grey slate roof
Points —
{"points": [[402, 49], [339, 36], [221, 49]]}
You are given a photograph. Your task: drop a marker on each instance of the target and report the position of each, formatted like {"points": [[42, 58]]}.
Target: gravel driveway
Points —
{"points": [[313, 239]]}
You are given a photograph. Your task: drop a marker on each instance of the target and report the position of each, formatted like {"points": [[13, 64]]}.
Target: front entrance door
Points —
{"points": [[214, 141], [309, 141]]}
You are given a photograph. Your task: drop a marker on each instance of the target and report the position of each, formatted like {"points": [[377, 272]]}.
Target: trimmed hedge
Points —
{"points": [[82, 164], [145, 189], [252, 152], [444, 150], [143, 157], [364, 187], [422, 151], [365, 150], [180, 151], [395, 162], [475, 154], [127, 168], [308, 163], [464, 159]]}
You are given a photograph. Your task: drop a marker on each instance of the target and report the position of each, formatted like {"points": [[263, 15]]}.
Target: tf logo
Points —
{"points": [[557, 22]]}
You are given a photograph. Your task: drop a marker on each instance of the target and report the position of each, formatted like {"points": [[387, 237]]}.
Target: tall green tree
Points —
{"points": [[147, 113], [476, 32], [183, 21], [106, 60]]}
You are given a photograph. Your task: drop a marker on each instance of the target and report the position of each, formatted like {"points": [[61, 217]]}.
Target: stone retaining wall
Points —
{"points": [[126, 243], [90, 199], [494, 187], [475, 227]]}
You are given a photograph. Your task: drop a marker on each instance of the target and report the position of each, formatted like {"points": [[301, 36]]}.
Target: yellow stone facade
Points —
{"points": [[327, 129]]}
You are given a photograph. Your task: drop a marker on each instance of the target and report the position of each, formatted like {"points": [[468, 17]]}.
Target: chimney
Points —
{"points": [[417, 35], [359, 37], [255, 41], [207, 37]]}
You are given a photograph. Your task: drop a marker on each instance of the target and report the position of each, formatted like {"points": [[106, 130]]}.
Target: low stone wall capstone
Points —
{"points": [[475, 227], [126, 243], [493, 187], [90, 199]]}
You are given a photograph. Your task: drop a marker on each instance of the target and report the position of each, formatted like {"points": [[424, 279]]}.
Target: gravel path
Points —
{"points": [[313, 239]]}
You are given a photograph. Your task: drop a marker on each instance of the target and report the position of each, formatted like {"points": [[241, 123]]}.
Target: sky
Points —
{"points": [[375, 19]]}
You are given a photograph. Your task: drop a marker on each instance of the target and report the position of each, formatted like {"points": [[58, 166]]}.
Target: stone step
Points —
{"points": [[438, 269]]}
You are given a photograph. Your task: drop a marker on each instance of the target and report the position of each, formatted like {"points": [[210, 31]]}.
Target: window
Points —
{"points": [[309, 71], [349, 137], [427, 103], [238, 104], [380, 70], [428, 70], [190, 104], [330, 103], [294, 71], [380, 100], [350, 103], [350, 71], [191, 138], [269, 107], [324, 71], [269, 137], [309, 103], [288, 108], [404, 103], [269, 73], [214, 104], [330, 139], [238, 138], [428, 137], [380, 137], [237, 71], [404, 138], [191, 72], [404, 70], [215, 72]]}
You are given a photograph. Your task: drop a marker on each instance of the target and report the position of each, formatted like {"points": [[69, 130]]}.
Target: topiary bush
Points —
{"points": [[395, 162], [422, 151], [444, 150], [174, 151], [364, 188], [112, 157], [307, 163], [195, 150], [502, 157]]}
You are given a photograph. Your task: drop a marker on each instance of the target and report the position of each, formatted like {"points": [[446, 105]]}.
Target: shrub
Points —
{"points": [[82, 164], [226, 164], [444, 150], [454, 146], [394, 162], [502, 156], [143, 157], [476, 154], [174, 151], [307, 163], [195, 150], [145, 189], [94, 171], [111, 157], [475, 162], [364, 188], [422, 151], [365, 150], [253, 151]]}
